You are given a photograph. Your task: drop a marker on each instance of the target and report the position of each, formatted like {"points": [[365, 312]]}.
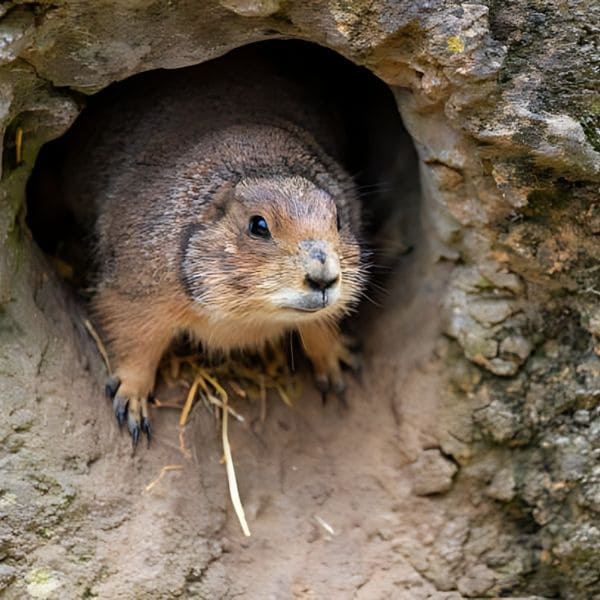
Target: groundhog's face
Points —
{"points": [[274, 250]]}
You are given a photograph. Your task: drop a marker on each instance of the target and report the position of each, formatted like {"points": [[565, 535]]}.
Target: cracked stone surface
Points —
{"points": [[432, 473], [503, 109]]}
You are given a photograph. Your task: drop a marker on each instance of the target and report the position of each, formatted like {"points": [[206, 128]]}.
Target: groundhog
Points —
{"points": [[221, 211]]}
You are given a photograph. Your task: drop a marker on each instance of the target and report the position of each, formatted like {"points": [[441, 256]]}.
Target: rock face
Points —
{"points": [[502, 105]]}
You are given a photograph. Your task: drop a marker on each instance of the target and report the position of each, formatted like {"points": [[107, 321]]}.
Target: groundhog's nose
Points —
{"points": [[321, 264], [320, 282]]}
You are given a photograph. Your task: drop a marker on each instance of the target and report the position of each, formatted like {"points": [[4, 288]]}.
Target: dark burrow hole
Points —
{"points": [[373, 146]]}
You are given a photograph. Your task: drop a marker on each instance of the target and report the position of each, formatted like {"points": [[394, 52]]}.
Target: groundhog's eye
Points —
{"points": [[258, 226], [337, 221]]}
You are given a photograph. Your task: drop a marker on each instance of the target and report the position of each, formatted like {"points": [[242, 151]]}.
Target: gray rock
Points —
{"points": [[502, 487], [490, 312], [432, 473], [517, 345], [478, 580], [252, 8]]}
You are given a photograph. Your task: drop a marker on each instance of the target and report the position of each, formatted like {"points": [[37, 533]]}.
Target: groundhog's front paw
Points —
{"points": [[328, 367], [129, 407]]}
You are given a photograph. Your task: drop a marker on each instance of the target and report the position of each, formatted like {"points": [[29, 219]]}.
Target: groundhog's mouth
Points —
{"points": [[311, 302], [307, 310]]}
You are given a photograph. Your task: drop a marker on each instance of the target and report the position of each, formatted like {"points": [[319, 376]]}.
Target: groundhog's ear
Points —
{"points": [[219, 202]]}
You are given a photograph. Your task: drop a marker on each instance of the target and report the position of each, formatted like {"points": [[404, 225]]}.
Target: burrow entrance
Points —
{"points": [[369, 141], [373, 146], [327, 492]]}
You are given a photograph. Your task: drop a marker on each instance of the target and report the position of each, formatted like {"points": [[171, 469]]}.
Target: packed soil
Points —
{"points": [[327, 489]]}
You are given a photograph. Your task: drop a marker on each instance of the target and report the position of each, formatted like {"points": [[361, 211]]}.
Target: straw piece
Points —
{"points": [[325, 525], [99, 344], [233, 488], [284, 395], [164, 470], [236, 415], [189, 401], [19, 145], [240, 391]]}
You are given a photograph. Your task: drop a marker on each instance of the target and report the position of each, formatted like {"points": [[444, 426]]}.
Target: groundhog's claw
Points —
{"points": [[331, 383], [137, 427], [147, 428], [112, 385], [134, 429], [137, 418], [120, 408], [328, 368], [328, 351], [132, 409], [322, 384]]}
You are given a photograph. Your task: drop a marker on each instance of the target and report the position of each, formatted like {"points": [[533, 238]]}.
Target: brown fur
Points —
{"points": [[174, 168]]}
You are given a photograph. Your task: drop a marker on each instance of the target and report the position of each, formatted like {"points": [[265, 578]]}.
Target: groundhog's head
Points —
{"points": [[275, 249]]}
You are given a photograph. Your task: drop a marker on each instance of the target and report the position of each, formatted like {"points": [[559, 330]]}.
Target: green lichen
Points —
{"points": [[484, 284], [42, 583], [45, 532], [455, 44]]}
